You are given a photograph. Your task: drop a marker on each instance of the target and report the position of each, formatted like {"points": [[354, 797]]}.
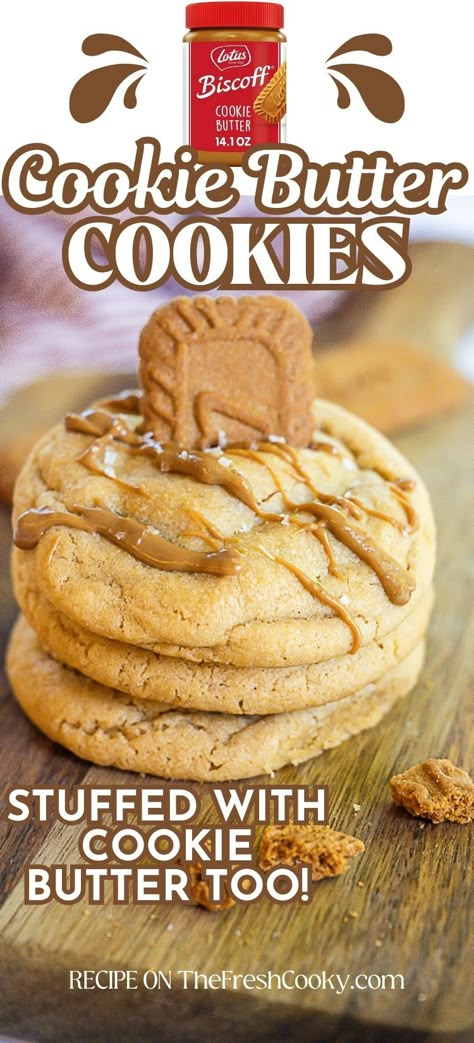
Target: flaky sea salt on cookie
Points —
{"points": [[262, 556]]}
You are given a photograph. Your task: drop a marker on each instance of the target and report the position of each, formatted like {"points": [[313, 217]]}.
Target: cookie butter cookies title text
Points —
{"points": [[362, 239]]}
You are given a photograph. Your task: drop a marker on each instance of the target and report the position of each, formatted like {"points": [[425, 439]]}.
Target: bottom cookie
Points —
{"points": [[104, 726]]}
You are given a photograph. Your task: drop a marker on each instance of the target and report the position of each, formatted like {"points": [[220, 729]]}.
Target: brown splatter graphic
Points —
{"points": [[92, 94], [374, 43], [343, 96], [100, 43], [381, 93], [130, 96]]}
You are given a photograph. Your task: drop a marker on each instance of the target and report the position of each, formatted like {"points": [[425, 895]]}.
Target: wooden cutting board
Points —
{"points": [[402, 908]]}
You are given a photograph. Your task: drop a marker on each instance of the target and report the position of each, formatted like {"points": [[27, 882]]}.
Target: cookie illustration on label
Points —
{"points": [[216, 371], [271, 102]]}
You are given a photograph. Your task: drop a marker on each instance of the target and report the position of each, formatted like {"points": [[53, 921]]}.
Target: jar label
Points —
{"points": [[227, 97]]}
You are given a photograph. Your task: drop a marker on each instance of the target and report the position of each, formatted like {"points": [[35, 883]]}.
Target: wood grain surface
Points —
{"points": [[401, 908]]}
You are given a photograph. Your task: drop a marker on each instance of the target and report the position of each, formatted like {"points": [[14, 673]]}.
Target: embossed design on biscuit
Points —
{"points": [[271, 102], [230, 369]]}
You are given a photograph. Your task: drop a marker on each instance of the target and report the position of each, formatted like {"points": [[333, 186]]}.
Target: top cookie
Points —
{"points": [[227, 370], [263, 556]]}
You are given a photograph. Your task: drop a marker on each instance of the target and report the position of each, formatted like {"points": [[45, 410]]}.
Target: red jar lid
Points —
{"points": [[234, 15]]}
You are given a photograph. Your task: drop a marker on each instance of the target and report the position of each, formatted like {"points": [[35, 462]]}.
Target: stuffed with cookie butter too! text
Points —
{"points": [[292, 246]]}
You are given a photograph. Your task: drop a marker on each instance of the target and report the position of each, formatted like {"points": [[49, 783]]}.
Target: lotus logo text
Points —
{"points": [[230, 57]]}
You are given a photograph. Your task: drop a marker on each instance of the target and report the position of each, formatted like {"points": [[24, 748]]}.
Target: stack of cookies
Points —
{"points": [[217, 575]]}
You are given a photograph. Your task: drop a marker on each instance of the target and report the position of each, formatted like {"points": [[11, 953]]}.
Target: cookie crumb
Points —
{"points": [[356, 807], [327, 851], [436, 790], [378, 943], [199, 891]]}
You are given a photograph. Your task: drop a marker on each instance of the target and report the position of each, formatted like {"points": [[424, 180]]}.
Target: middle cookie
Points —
{"points": [[144, 674]]}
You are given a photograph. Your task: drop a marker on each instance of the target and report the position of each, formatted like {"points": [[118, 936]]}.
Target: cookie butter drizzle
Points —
{"points": [[135, 538], [337, 515]]}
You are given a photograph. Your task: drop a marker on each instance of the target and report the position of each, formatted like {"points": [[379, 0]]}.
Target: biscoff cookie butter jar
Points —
{"points": [[235, 78]]}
